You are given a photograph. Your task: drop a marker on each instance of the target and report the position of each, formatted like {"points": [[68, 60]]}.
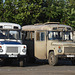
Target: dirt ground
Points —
{"points": [[39, 68]]}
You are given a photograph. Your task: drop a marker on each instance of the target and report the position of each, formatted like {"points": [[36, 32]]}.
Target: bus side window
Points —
{"points": [[28, 35], [40, 36]]}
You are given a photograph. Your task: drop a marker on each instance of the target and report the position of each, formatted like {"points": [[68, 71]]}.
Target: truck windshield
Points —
{"points": [[57, 35], [10, 34]]}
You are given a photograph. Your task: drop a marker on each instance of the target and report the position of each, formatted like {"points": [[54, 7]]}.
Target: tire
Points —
{"points": [[22, 63], [52, 59]]}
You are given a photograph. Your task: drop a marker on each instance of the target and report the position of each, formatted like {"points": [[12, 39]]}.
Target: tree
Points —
{"points": [[1, 10], [26, 12], [22, 11], [70, 13]]}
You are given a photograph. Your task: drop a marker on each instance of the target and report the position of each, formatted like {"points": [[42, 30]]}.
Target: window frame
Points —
{"points": [[40, 36]]}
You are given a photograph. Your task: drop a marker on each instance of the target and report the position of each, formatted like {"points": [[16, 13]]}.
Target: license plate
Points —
{"points": [[12, 55], [70, 56]]}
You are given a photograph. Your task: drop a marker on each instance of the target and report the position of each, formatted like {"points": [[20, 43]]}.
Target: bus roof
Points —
{"points": [[45, 27], [5, 25]]}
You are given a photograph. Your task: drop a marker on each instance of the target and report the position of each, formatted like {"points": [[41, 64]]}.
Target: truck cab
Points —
{"points": [[11, 47]]}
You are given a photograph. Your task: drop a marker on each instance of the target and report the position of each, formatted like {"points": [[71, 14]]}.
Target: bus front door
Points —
{"points": [[40, 44]]}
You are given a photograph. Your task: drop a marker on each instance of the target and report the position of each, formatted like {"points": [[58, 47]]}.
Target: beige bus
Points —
{"points": [[50, 41]]}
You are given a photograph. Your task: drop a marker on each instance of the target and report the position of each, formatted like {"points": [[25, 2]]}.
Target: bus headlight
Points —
{"points": [[59, 50], [1, 50], [24, 50]]}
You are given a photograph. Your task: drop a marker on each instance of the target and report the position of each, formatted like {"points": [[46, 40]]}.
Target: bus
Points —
{"points": [[10, 44], [51, 41]]}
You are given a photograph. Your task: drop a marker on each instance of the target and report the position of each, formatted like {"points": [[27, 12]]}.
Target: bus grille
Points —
{"points": [[12, 50], [69, 49]]}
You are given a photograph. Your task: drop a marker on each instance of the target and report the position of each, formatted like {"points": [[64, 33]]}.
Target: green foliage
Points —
{"points": [[37, 11]]}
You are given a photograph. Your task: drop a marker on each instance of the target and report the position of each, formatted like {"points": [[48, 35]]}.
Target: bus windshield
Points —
{"points": [[10, 34], [58, 35]]}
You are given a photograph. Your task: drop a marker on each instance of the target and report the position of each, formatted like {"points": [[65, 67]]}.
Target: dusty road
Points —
{"points": [[39, 68]]}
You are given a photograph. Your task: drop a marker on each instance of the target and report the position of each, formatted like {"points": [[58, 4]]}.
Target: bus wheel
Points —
{"points": [[52, 59]]}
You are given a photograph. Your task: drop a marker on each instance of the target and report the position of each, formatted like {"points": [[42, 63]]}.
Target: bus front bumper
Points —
{"points": [[66, 56], [12, 56]]}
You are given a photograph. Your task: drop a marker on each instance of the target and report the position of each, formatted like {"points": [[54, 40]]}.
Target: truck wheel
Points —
{"points": [[52, 59], [22, 63]]}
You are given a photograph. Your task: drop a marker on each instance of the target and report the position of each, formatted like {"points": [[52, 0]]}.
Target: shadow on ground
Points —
{"points": [[45, 62], [39, 63]]}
